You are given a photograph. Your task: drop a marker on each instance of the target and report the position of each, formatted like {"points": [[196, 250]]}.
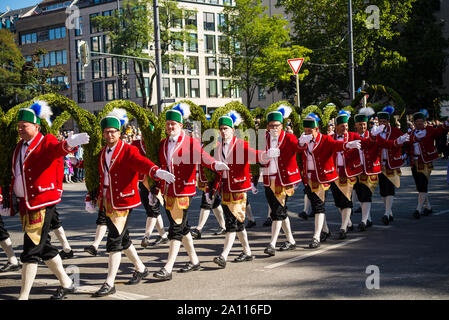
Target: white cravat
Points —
{"points": [[416, 148], [225, 148], [19, 189], [272, 169], [108, 158], [310, 164], [340, 162], [170, 149], [384, 151]]}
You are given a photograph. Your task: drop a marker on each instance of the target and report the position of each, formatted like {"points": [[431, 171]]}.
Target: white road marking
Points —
{"points": [[440, 213], [310, 254], [374, 225]]}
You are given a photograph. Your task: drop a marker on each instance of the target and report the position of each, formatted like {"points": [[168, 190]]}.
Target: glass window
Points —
{"points": [[193, 66], [191, 18], [33, 37], [223, 44], [178, 67], [95, 43], [225, 66], [109, 67], [64, 56], [57, 33], [194, 88], [81, 92], [79, 26], [93, 28], [209, 43], [107, 43], [62, 32], [53, 58], [176, 20], [80, 74], [211, 66], [209, 21], [22, 39], [43, 36], [211, 88], [96, 69], [125, 91], [179, 88], [166, 87], [222, 21], [193, 42], [51, 34], [46, 60], [58, 57], [178, 43], [225, 88], [147, 87], [165, 66], [28, 38], [110, 90], [261, 93], [97, 88]]}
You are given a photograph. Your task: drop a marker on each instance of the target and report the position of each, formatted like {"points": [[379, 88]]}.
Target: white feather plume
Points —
{"points": [[186, 109], [367, 111], [44, 110], [120, 114], [287, 110]]}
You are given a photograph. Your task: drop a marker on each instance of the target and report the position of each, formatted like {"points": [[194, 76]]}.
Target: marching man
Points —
{"points": [[319, 171], [34, 187], [179, 154], [421, 151], [119, 166], [280, 176], [233, 184]]}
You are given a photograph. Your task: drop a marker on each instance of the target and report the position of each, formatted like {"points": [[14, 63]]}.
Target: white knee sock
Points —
{"points": [[160, 227], [99, 235], [275, 229], [384, 199], [56, 266], [366, 208], [287, 230], [9, 251], [113, 265], [389, 205], [243, 238], [204, 215], [131, 254], [307, 205], [427, 201], [319, 223], [218, 212], [249, 213], [172, 254], [29, 271], [60, 234], [187, 242], [346, 216], [149, 226], [229, 241], [421, 200]]}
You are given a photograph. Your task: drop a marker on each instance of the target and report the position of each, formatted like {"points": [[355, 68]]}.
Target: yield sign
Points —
{"points": [[295, 64]]}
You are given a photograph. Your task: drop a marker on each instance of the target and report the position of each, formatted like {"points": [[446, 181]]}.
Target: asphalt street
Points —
{"points": [[408, 259]]}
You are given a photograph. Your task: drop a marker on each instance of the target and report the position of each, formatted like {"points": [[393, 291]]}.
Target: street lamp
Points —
{"points": [[351, 53], [157, 53]]}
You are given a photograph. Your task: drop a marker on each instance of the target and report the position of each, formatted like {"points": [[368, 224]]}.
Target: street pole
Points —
{"points": [[157, 52], [351, 53], [364, 96], [297, 90]]}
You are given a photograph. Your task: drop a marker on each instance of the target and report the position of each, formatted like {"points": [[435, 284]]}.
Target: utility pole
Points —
{"points": [[351, 53], [157, 53]]}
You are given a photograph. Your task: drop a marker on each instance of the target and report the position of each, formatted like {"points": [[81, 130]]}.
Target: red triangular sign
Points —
{"points": [[295, 64]]}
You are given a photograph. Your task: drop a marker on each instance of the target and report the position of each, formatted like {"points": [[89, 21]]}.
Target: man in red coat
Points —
{"points": [[34, 189], [319, 171], [119, 165], [279, 177], [180, 154], [233, 185], [422, 152]]}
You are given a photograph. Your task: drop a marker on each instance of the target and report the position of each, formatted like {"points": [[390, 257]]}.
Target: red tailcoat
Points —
{"points": [[394, 160], [426, 145]]}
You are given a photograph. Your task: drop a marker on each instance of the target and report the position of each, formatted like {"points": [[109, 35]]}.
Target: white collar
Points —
{"points": [[173, 139], [29, 142], [112, 148]]}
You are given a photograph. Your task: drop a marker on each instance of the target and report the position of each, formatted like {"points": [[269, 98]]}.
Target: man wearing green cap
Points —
{"points": [[34, 188], [422, 152]]}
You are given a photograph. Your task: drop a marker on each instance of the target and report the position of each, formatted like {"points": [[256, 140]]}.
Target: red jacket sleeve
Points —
{"points": [[142, 164]]}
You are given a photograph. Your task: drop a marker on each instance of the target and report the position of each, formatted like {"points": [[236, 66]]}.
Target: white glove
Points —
{"points": [[165, 175], [152, 199], [273, 153], [377, 129], [221, 166], [209, 200], [253, 188], [5, 212], [305, 138], [420, 134], [90, 207], [403, 138], [77, 139], [353, 144]]}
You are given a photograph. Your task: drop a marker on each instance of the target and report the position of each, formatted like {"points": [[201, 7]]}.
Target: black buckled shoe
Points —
{"points": [[145, 242], [220, 261], [220, 231], [287, 246], [137, 276], [270, 250], [385, 220], [268, 222], [159, 240], [390, 218], [196, 234], [243, 257], [250, 224], [362, 226], [416, 214], [190, 267], [163, 274], [427, 212], [61, 293], [66, 255], [314, 244], [91, 250], [324, 236], [351, 228], [10, 267], [341, 234], [303, 215], [369, 224], [104, 291]]}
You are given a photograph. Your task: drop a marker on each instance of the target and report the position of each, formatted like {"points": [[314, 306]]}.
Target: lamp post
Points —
{"points": [[351, 53], [157, 53]]}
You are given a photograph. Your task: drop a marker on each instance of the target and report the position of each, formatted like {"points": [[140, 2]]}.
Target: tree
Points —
{"points": [[322, 25], [257, 46]]}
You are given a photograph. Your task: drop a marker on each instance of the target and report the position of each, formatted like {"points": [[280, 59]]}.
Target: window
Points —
{"points": [[147, 87], [80, 74], [107, 43], [211, 66], [209, 43], [122, 67], [53, 58], [261, 93], [166, 87], [58, 57], [223, 44], [225, 88], [222, 22], [97, 88], [96, 69], [176, 20], [95, 43], [193, 66], [110, 90], [165, 66], [193, 42], [64, 57], [124, 89], [194, 88], [81, 92], [178, 67], [225, 66], [191, 18], [79, 26], [179, 88], [211, 88], [109, 67], [178, 43], [209, 21], [93, 28]]}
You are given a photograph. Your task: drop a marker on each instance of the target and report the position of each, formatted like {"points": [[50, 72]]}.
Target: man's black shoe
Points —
{"points": [[220, 261], [91, 250], [341, 234], [314, 244], [162, 274], [10, 267], [61, 293], [243, 257], [66, 255], [427, 212], [220, 231], [369, 223], [270, 250], [385, 220], [324, 236], [137, 276], [196, 234], [268, 222], [416, 214], [190, 267], [287, 246], [303, 215], [362, 226], [105, 290]]}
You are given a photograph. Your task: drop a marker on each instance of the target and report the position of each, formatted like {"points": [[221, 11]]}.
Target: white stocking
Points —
{"points": [[113, 265], [99, 235], [319, 223], [29, 271], [229, 241], [249, 213], [421, 200], [275, 229], [287, 230], [60, 234], [55, 265], [172, 254], [389, 204], [149, 226], [131, 254], [243, 238], [7, 247], [204, 215], [307, 205], [187, 242], [346, 216], [160, 227], [218, 212], [366, 208]]}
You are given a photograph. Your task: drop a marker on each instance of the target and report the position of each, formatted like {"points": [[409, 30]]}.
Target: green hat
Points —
{"points": [[114, 119], [225, 121], [361, 118], [275, 116], [28, 115], [110, 122], [178, 113], [422, 114], [383, 115], [309, 122], [342, 117], [174, 115]]}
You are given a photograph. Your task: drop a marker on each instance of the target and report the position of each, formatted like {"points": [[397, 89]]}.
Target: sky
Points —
{"points": [[17, 4]]}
